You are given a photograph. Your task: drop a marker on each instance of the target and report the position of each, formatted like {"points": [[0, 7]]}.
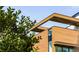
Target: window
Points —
{"points": [[50, 36], [64, 49], [71, 50], [49, 41], [58, 49]]}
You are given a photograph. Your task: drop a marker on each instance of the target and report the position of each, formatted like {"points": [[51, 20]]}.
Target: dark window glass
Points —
{"points": [[50, 38], [58, 49], [71, 50], [49, 41], [64, 49], [50, 35]]}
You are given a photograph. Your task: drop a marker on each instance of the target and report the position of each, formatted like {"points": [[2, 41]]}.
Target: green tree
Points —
{"points": [[14, 31]]}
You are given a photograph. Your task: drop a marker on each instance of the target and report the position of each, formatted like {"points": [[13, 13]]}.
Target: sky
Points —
{"points": [[38, 13]]}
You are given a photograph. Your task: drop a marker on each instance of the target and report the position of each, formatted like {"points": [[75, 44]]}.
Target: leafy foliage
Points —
{"points": [[13, 31]]}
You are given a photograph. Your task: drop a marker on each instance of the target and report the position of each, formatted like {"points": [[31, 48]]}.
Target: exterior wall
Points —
{"points": [[65, 36], [61, 35], [43, 41]]}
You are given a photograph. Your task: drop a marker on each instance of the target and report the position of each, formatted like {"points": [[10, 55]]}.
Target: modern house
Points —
{"points": [[56, 38]]}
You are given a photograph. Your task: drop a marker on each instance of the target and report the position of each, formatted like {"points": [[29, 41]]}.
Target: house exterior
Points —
{"points": [[57, 39]]}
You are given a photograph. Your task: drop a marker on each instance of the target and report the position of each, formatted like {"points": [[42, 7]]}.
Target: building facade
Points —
{"points": [[57, 39]]}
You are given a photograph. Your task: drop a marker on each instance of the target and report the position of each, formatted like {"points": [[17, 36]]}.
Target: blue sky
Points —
{"points": [[38, 13]]}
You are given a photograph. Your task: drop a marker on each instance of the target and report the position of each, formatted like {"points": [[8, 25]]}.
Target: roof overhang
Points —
{"points": [[65, 44], [39, 29], [56, 18]]}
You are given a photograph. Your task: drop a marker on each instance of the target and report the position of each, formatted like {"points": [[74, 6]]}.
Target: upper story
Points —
{"points": [[60, 35], [55, 17]]}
